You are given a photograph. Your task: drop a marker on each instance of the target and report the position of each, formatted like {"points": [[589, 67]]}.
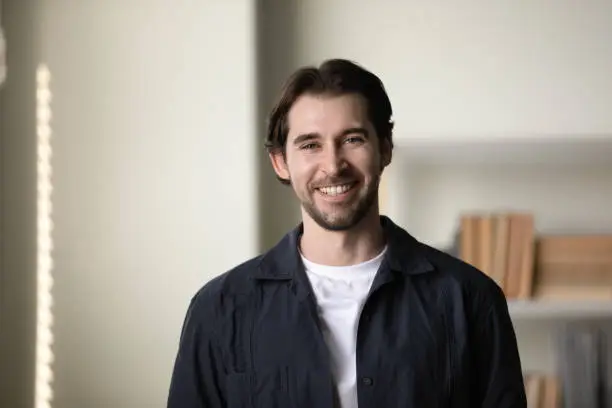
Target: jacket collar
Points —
{"points": [[404, 254]]}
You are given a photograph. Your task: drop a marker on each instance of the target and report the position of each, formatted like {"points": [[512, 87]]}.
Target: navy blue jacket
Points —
{"points": [[434, 332]]}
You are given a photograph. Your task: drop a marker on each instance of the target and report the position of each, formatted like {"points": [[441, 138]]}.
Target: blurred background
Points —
{"points": [[154, 111]]}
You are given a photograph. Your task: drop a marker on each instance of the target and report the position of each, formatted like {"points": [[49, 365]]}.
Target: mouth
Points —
{"points": [[338, 190]]}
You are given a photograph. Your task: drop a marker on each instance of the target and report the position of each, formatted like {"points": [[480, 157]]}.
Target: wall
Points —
{"points": [[475, 66], [154, 188], [18, 207], [276, 59]]}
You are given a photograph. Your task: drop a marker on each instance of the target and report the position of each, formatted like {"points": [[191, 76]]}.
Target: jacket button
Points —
{"points": [[367, 381]]}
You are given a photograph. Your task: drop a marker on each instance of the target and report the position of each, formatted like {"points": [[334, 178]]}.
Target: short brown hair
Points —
{"points": [[335, 77]]}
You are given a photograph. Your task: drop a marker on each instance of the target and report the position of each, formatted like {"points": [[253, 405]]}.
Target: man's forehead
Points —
{"points": [[326, 113], [318, 103]]}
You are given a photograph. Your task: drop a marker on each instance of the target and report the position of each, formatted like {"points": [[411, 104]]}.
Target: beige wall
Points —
{"points": [[155, 188]]}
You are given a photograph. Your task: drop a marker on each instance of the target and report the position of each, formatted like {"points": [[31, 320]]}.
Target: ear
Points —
{"points": [[279, 164], [386, 153]]}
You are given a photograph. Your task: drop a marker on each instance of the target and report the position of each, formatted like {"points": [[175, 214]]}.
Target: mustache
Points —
{"points": [[332, 181]]}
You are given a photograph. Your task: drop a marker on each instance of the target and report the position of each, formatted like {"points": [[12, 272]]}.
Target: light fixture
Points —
{"points": [[44, 318]]}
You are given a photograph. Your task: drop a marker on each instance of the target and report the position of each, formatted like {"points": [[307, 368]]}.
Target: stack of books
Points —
{"points": [[527, 265], [570, 267], [542, 390], [501, 245]]}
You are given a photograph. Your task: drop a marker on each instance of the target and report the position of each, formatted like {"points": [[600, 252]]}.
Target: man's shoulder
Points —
{"points": [[221, 295], [225, 293], [219, 298], [233, 281]]}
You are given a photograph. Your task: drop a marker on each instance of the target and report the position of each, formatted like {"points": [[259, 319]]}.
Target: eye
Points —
{"points": [[308, 146], [354, 140]]}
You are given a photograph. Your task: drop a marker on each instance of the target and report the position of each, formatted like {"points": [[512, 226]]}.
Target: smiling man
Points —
{"points": [[348, 310]]}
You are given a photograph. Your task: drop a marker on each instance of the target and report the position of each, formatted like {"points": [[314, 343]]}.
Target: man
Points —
{"points": [[348, 310]]}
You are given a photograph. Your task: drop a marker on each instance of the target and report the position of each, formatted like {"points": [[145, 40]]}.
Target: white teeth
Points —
{"points": [[335, 190]]}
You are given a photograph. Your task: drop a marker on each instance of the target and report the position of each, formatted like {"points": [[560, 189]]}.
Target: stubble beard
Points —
{"points": [[347, 216]]}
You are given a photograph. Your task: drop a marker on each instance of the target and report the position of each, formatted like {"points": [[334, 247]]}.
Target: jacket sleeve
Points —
{"points": [[197, 376], [498, 379]]}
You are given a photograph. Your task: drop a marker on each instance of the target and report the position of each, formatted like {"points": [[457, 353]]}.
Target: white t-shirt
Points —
{"points": [[341, 292]]}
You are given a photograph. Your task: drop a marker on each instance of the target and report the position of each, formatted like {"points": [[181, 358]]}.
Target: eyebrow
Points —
{"points": [[313, 136], [305, 137]]}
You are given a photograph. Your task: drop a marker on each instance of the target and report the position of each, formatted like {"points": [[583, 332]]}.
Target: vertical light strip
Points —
{"points": [[44, 336]]}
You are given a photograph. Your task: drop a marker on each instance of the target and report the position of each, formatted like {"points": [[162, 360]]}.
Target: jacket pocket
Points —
{"points": [[261, 389], [271, 389]]}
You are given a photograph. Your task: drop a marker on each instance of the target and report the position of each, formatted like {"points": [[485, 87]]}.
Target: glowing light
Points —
{"points": [[44, 335]]}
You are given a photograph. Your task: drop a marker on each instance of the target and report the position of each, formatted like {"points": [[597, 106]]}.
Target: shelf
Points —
{"points": [[578, 309], [500, 149]]}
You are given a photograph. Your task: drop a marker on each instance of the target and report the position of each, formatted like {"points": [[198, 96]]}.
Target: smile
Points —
{"points": [[336, 190]]}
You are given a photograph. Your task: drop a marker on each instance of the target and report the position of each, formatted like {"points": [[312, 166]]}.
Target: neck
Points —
{"points": [[360, 243]]}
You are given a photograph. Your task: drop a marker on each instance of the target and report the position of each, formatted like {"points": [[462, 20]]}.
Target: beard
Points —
{"points": [[346, 216]]}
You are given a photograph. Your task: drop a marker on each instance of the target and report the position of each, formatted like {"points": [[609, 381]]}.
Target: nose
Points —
{"points": [[333, 162]]}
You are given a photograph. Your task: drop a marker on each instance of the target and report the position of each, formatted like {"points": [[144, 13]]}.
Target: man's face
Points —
{"points": [[333, 159]]}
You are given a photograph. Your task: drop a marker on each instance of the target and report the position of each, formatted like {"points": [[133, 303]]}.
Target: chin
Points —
{"points": [[339, 222], [338, 225]]}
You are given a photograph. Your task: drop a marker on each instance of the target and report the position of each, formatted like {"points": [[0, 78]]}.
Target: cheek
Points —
{"points": [[301, 169], [369, 165]]}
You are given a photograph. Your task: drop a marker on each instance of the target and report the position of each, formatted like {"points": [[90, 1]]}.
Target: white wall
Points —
{"points": [[155, 193], [475, 66]]}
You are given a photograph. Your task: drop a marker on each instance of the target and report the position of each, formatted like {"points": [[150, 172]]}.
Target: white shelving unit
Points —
{"points": [[529, 310], [496, 149], [566, 181]]}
